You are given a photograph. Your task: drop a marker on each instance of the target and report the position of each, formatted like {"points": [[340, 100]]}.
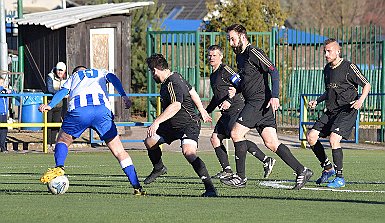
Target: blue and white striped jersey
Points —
{"points": [[87, 87]]}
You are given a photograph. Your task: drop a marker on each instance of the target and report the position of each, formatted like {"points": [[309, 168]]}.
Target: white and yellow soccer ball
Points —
{"points": [[59, 185]]}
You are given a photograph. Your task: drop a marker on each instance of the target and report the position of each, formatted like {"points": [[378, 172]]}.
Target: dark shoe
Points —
{"points": [[302, 179], [234, 181], [325, 176], [268, 166], [222, 174], [154, 174], [210, 193]]}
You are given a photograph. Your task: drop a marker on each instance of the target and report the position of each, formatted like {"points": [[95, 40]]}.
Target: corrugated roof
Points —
{"points": [[57, 19]]}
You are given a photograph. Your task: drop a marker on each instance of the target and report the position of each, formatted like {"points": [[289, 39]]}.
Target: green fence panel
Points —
{"points": [[298, 56], [186, 53]]}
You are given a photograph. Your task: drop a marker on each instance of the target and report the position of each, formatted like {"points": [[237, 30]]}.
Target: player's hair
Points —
{"points": [[215, 47], [78, 68], [237, 28], [331, 40], [157, 61]]}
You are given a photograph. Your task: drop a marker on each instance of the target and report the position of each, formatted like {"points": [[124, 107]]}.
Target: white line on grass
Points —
{"points": [[280, 185]]}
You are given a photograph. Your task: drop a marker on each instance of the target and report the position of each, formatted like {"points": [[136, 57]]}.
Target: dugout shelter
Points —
{"points": [[97, 36]]}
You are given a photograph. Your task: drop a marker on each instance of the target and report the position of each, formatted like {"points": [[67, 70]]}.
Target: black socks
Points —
{"points": [[338, 161], [319, 152], [285, 154], [155, 155]]}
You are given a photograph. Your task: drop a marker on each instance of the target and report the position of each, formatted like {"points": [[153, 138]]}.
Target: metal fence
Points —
{"points": [[186, 53], [297, 54]]}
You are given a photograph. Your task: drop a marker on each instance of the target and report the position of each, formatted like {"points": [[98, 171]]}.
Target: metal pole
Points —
{"points": [[149, 77], [382, 91], [20, 41], [3, 40]]}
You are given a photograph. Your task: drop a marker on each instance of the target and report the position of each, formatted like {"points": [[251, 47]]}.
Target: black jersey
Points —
{"points": [[220, 83], [341, 83], [254, 67], [173, 89]]}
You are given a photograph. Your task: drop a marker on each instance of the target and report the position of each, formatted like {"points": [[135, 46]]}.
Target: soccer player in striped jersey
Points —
{"points": [[254, 68], [221, 78], [89, 108], [342, 79]]}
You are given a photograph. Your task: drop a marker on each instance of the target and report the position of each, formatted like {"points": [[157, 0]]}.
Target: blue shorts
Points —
{"points": [[97, 117]]}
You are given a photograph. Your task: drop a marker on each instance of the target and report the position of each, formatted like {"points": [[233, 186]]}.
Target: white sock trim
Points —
{"points": [[189, 141], [126, 162]]}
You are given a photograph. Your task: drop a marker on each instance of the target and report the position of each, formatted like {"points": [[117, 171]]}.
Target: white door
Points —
{"points": [[102, 53]]}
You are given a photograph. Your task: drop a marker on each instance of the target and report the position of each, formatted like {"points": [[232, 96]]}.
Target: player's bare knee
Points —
{"points": [[120, 154], [215, 142], [149, 142], [335, 142], [190, 155], [64, 138], [272, 145], [235, 136], [312, 137]]}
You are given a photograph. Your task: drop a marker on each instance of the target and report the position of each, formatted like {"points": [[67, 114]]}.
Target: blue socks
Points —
{"points": [[61, 152], [129, 169], [132, 176]]}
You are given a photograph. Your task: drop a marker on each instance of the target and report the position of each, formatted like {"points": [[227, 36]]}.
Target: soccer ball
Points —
{"points": [[59, 185]]}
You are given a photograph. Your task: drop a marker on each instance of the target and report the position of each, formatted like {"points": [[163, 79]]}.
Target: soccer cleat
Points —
{"points": [[51, 174], [154, 174], [325, 176], [268, 166], [210, 193], [337, 183], [302, 178], [222, 174], [234, 181], [139, 192]]}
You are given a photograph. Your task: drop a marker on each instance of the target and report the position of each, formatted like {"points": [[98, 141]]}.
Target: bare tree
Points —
{"points": [[335, 13]]}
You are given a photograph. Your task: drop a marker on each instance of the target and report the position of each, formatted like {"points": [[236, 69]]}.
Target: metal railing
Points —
{"points": [[298, 55], [45, 125], [369, 114]]}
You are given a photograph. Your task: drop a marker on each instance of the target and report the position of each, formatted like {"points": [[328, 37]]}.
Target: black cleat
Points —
{"points": [[222, 174], [210, 193], [302, 179], [234, 181], [154, 174], [268, 166]]}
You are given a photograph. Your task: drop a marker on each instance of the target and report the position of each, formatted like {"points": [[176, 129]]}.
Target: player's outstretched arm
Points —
{"points": [[58, 96], [112, 78], [365, 91], [197, 101]]}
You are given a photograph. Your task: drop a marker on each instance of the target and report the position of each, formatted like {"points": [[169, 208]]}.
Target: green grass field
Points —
{"points": [[99, 191]]}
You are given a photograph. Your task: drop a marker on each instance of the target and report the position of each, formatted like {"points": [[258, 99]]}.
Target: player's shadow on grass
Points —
{"points": [[42, 192], [275, 198], [313, 181]]}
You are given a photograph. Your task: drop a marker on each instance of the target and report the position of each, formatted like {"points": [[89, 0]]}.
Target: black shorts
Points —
{"points": [[257, 116], [170, 134], [341, 123], [225, 124]]}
